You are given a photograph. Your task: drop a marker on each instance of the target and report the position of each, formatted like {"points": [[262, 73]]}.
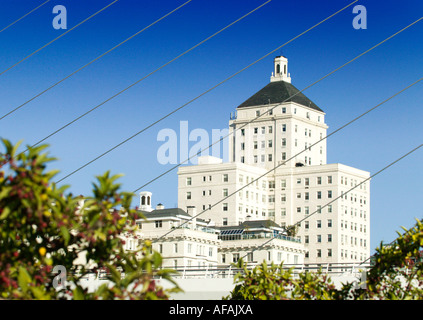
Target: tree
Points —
{"points": [[396, 274], [42, 226]]}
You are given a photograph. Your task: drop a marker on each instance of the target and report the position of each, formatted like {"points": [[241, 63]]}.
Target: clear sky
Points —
{"points": [[369, 144]]}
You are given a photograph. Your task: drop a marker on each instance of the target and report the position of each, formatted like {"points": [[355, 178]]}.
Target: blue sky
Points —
{"points": [[369, 144]]}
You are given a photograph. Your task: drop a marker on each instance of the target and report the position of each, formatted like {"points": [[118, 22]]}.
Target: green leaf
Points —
{"points": [[24, 279], [6, 211], [78, 294], [65, 234]]}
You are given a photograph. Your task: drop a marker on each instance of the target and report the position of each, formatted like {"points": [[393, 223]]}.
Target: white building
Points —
{"points": [[189, 243], [282, 136]]}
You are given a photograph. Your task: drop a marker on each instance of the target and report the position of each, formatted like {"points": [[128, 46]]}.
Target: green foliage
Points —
{"points": [[273, 282], [42, 226], [396, 274]]}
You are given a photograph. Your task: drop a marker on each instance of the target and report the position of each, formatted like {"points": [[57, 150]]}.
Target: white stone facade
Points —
{"points": [[302, 183]]}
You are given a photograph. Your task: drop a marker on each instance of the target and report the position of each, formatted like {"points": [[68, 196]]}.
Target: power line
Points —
{"points": [[282, 163], [192, 100], [47, 44], [287, 99], [356, 186], [130, 86], [94, 60], [8, 26]]}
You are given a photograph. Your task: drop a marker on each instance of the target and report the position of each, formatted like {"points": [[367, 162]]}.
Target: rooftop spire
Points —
{"points": [[280, 72]]}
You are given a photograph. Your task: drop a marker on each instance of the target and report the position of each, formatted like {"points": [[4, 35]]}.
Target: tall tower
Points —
{"points": [[278, 122]]}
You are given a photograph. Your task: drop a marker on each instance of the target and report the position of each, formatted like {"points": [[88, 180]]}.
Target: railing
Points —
{"points": [[229, 271]]}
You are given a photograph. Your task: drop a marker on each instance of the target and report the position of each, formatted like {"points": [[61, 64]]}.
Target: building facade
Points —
{"points": [[278, 170]]}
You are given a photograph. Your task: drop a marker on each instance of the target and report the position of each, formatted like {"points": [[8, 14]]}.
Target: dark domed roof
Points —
{"points": [[277, 92]]}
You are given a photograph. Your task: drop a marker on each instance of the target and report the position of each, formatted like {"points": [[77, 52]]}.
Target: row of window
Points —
{"points": [[353, 226], [225, 178], [354, 212], [344, 254], [262, 130], [199, 249], [250, 257], [283, 110]]}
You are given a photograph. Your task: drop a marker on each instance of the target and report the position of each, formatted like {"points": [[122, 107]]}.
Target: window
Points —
{"points": [[306, 239], [319, 223], [283, 110], [175, 248], [319, 253], [283, 142], [329, 208], [158, 223], [306, 210], [271, 198], [283, 212], [306, 225], [188, 195], [263, 130], [329, 194], [189, 181], [223, 258], [329, 252], [307, 181], [319, 180], [263, 158], [257, 113], [235, 257], [329, 223], [283, 183], [255, 145], [329, 238], [225, 221], [242, 132], [270, 129], [225, 192], [283, 197], [329, 179], [319, 195], [284, 128], [298, 209], [189, 249], [242, 146], [225, 178], [272, 184], [283, 155], [269, 157], [225, 207], [270, 143], [255, 159], [255, 130], [319, 238], [242, 159], [306, 196], [263, 144]]}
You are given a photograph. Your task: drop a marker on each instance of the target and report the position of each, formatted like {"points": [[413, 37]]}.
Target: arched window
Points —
{"points": [[148, 201], [284, 69], [143, 200], [278, 68]]}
